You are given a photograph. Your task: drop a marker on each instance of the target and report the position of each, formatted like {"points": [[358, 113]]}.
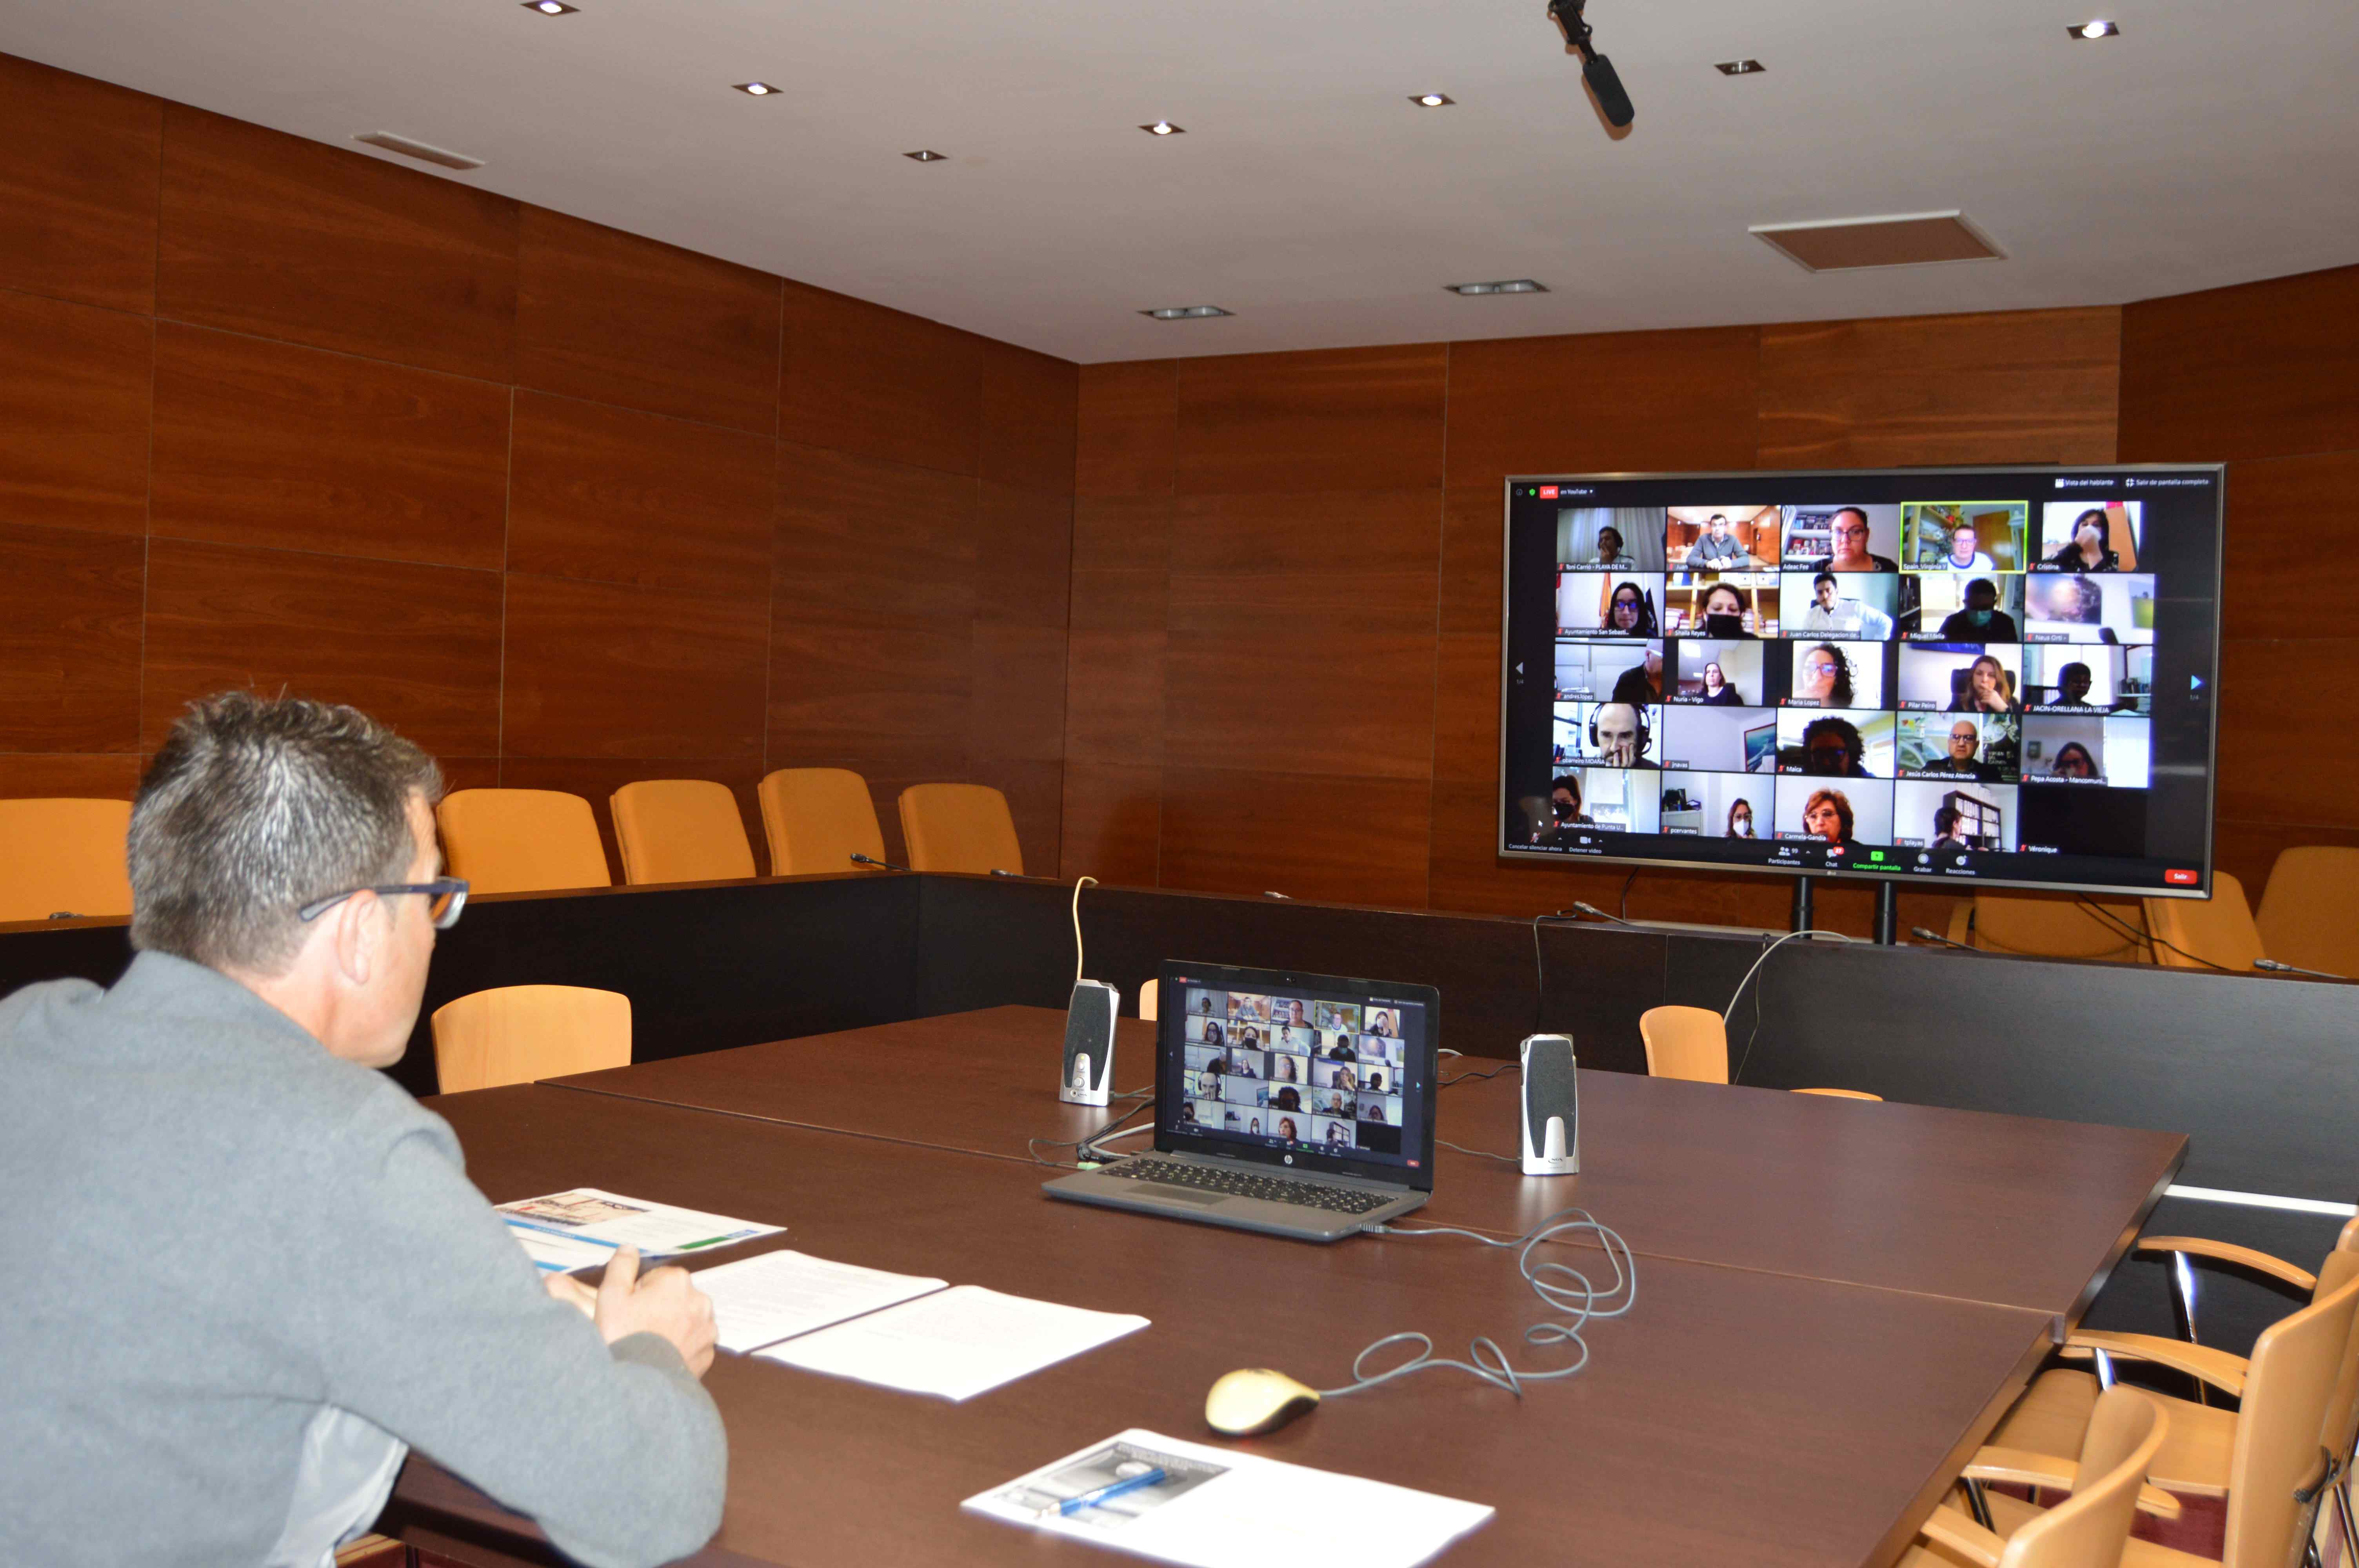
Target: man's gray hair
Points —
{"points": [[254, 808]]}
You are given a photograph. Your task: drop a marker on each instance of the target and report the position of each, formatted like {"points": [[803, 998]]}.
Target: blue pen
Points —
{"points": [[1111, 1490]]}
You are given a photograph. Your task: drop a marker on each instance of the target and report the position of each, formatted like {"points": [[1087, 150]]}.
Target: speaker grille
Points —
{"points": [[1551, 1087]]}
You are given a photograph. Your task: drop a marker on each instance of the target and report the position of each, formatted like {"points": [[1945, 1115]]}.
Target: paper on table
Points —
{"points": [[1221, 1508], [762, 1300], [583, 1226], [955, 1343]]}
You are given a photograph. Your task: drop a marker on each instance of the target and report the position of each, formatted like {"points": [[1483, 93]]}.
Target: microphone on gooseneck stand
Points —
{"points": [[1593, 910], [1922, 935], [2272, 967], [859, 859]]}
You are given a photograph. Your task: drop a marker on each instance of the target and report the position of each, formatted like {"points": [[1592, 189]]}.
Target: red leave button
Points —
{"points": [[2182, 879]]}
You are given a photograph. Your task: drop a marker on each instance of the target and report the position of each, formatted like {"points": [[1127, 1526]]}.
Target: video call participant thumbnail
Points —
{"points": [[1719, 806], [1720, 739], [2082, 677], [2100, 750], [1986, 747], [1961, 607], [1610, 538], [1846, 813], [1608, 604], [1857, 744], [1960, 678], [1858, 605], [2086, 821], [1730, 605], [1976, 536], [1949, 822], [1837, 675], [2065, 607], [2078, 538], [1607, 734], [1846, 538], [1723, 538], [1594, 671], [1599, 801], [1716, 672]]}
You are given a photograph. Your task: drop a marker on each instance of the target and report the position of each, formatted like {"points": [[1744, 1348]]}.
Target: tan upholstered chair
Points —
{"points": [[1692, 1043], [1150, 1000], [680, 830], [516, 1034], [2199, 933], [2090, 1528], [522, 840], [959, 827], [63, 857], [2051, 928], [817, 819], [2269, 1458], [2309, 911]]}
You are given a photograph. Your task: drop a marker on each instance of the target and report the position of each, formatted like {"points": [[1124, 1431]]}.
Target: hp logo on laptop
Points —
{"points": [[1289, 1159]]}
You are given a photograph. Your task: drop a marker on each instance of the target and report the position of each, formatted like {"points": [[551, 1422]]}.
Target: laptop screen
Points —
{"points": [[1318, 1072]]}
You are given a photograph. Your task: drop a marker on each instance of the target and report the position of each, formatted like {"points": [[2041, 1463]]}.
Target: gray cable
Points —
{"points": [[1560, 1285], [1736, 1074]]}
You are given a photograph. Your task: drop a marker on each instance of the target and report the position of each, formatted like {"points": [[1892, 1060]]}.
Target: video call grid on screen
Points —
{"points": [[1995, 674], [1336, 1075]]}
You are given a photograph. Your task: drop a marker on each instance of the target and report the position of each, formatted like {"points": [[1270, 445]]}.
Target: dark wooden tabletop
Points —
{"points": [[1735, 1416], [2013, 1211]]}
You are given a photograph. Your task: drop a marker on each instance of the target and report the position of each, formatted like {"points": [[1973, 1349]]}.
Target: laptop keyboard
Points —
{"points": [[1250, 1184]]}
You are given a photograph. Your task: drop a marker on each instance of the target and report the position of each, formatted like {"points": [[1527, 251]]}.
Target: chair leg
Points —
{"points": [[1980, 1507], [2184, 1296], [2342, 1511]]}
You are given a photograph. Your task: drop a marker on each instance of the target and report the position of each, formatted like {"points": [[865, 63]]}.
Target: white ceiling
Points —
{"points": [[2213, 143]]}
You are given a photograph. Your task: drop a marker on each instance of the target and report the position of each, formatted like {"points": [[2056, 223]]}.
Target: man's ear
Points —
{"points": [[360, 938]]}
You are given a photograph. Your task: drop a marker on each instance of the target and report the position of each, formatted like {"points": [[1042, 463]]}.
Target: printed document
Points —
{"points": [[581, 1228], [1218, 1507], [954, 1343], [761, 1300]]}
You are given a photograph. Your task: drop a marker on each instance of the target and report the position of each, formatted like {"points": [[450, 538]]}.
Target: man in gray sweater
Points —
{"points": [[244, 1269]]}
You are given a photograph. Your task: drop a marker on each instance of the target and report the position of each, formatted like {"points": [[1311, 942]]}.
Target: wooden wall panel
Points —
{"points": [[416, 646], [281, 237], [884, 695], [78, 172], [69, 635], [1327, 836], [615, 495], [1112, 823], [1127, 428], [863, 535], [1339, 563], [73, 414], [2286, 516], [1334, 419], [2265, 370], [618, 318], [1603, 402], [2281, 760], [2027, 386], [1015, 697], [264, 443], [595, 669], [1023, 555], [882, 384], [1028, 404], [86, 775]]}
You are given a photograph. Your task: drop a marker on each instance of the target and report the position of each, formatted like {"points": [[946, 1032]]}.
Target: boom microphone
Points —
{"points": [[859, 859], [1922, 935], [2272, 967], [1598, 71]]}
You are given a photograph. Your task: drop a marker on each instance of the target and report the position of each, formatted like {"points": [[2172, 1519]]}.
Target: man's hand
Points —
{"points": [[664, 1302], [573, 1292]]}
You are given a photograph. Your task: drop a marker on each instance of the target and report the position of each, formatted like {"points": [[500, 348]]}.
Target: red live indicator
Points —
{"points": [[2182, 879], [1547, 493]]}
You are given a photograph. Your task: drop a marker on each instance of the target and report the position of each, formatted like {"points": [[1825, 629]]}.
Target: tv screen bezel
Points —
{"points": [[1505, 851]]}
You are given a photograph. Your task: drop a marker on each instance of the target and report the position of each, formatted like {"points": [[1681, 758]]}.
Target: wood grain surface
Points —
{"points": [[74, 384], [79, 165], [70, 628]]}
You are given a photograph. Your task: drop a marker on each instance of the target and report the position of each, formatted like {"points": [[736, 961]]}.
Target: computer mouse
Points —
{"points": [[1256, 1400]]}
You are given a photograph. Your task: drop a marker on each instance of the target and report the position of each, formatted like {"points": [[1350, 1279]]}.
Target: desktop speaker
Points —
{"points": [[1551, 1109], [1089, 1044]]}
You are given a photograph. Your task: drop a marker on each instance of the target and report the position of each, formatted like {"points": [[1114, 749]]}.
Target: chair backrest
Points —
{"points": [[2309, 910], [1685, 1042], [2288, 1384], [959, 827], [522, 840], [63, 857], [2195, 934], [2089, 1529], [817, 819], [514, 1034], [1150, 1000], [2049, 928], [680, 830], [1842, 1094], [2340, 1429]]}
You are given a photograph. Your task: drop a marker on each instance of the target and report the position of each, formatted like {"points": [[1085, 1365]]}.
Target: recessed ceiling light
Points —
{"points": [[755, 89], [1432, 100], [927, 155], [426, 152], [1164, 129], [1506, 286], [1184, 312], [1739, 66], [550, 7], [2095, 30]]}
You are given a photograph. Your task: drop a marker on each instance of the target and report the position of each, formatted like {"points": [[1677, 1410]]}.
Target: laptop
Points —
{"points": [[1290, 1103]]}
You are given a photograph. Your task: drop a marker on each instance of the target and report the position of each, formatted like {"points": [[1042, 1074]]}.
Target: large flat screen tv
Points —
{"points": [[1964, 675]]}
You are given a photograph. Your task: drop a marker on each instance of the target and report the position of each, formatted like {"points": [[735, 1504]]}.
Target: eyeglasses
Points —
{"points": [[446, 895]]}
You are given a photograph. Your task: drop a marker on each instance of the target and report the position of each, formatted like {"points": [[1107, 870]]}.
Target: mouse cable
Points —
{"points": [[1736, 1074], [1502, 1067], [1479, 1153], [1083, 1146], [2123, 928], [1560, 1285], [1079, 883]]}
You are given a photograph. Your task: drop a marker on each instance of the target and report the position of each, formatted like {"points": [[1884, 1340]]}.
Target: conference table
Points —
{"points": [[1837, 1299]]}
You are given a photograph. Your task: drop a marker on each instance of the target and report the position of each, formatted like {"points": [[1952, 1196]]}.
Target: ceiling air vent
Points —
{"points": [[1910, 239], [421, 151]]}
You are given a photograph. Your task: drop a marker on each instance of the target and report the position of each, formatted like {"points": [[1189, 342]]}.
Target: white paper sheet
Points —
{"points": [[1218, 1507], [583, 1227], [956, 1343], [762, 1300]]}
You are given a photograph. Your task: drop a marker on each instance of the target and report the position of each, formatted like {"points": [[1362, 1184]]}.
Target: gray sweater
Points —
{"points": [[217, 1235]]}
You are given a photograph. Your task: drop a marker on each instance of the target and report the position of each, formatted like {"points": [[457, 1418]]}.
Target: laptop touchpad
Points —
{"points": [[1180, 1194]]}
